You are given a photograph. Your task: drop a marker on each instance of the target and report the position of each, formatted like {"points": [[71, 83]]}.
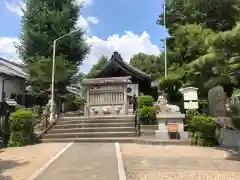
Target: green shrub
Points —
{"points": [[202, 128], [234, 114], [145, 101], [22, 128], [236, 122], [147, 116], [200, 123]]}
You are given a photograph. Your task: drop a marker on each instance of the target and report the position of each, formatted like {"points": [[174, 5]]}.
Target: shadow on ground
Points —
{"points": [[232, 154], [7, 165]]}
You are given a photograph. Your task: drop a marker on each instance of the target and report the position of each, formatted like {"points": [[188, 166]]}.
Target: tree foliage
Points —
{"points": [[98, 66], [42, 22], [203, 47], [151, 64], [222, 59], [218, 15]]}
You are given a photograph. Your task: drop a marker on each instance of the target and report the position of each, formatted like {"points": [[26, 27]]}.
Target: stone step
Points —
{"points": [[86, 125], [92, 129], [153, 141], [76, 121], [90, 134], [130, 117], [90, 140]]}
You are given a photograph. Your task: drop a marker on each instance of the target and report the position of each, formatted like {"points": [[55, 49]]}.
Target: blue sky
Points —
{"points": [[128, 26]]}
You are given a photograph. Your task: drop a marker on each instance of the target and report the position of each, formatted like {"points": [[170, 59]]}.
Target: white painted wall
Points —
{"points": [[12, 86]]}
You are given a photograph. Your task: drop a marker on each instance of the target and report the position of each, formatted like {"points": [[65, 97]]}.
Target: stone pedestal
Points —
{"points": [[165, 118], [170, 120]]}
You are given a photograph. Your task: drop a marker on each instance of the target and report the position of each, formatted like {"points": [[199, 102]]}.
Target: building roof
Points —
{"points": [[12, 69], [116, 61]]}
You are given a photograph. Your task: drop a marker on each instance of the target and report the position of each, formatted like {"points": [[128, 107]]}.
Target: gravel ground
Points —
{"points": [[148, 162], [20, 163]]}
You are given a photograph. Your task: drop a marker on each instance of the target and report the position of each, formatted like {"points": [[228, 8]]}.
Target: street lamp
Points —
{"points": [[53, 70]]}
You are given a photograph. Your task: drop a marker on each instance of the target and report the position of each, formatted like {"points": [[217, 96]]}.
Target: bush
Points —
{"points": [[203, 129], [234, 114], [147, 116], [236, 122], [201, 123], [22, 128], [145, 101]]}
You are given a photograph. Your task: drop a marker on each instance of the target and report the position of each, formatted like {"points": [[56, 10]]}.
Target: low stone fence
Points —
{"points": [[148, 130], [229, 138]]}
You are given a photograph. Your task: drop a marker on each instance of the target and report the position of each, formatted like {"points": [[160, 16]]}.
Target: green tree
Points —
{"points": [[201, 35], [189, 43], [42, 22], [218, 15], [222, 61], [98, 66], [150, 64]]}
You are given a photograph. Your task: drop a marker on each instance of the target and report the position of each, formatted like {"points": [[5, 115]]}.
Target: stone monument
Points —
{"points": [[217, 101]]}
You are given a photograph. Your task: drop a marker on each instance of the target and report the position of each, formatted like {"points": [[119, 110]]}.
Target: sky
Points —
{"points": [[126, 26]]}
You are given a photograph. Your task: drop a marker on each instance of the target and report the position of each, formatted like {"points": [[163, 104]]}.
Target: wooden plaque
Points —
{"points": [[172, 127]]}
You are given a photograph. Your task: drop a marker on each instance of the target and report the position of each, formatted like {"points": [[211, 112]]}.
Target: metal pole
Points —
{"points": [[53, 72], [165, 38], [53, 76], [3, 84]]}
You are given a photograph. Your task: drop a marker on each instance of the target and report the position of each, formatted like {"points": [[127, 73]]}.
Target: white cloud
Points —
{"points": [[93, 19], [7, 48], [15, 6], [127, 45], [85, 3], [82, 23]]}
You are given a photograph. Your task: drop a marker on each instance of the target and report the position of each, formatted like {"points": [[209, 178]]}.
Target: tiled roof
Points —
{"points": [[16, 69], [117, 61]]}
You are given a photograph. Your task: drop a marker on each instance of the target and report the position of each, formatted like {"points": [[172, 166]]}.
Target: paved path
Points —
{"points": [[144, 162], [84, 161]]}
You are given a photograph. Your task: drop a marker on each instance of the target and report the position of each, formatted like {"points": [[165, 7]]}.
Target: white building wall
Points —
{"points": [[11, 86]]}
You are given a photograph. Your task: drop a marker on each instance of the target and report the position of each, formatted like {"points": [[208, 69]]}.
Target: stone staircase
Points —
{"points": [[92, 129]]}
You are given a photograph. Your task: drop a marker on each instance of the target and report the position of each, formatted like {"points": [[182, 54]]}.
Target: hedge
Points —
{"points": [[202, 129], [22, 128], [145, 101], [147, 116]]}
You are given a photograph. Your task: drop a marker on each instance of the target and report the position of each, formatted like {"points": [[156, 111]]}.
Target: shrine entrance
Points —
{"points": [[112, 90]]}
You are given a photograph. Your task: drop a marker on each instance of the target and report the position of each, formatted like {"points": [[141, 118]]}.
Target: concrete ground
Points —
{"points": [[148, 162], [84, 161], [98, 161], [20, 163]]}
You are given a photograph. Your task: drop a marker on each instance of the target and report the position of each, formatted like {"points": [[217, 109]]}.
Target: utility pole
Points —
{"points": [[165, 38], [53, 71]]}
